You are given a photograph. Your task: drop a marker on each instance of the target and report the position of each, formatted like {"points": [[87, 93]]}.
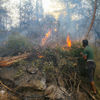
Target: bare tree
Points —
{"points": [[92, 22]]}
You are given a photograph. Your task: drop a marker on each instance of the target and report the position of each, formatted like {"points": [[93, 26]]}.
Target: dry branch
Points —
{"points": [[7, 61], [92, 97], [6, 87]]}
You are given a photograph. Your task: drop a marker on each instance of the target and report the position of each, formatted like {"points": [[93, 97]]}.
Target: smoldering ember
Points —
{"points": [[49, 49]]}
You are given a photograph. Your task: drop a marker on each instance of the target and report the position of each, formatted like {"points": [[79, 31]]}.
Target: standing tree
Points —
{"points": [[3, 20], [26, 14], [93, 19]]}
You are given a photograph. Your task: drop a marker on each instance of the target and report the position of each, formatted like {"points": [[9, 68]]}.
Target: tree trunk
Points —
{"points": [[92, 22]]}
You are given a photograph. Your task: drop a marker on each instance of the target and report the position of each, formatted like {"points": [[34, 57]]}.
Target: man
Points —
{"points": [[89, 57]]}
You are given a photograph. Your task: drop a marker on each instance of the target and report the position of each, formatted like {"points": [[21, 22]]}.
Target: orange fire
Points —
{"points": [[40, 56], [46, 37], [55, 30], [68, 40]]}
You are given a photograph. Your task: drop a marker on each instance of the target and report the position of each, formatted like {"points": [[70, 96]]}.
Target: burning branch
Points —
{"points": [[46, 37]]}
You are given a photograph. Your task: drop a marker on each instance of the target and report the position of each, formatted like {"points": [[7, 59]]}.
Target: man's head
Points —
{"points": [[85, 43]]}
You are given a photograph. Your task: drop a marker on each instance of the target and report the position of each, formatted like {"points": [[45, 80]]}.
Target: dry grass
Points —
{"points": [[97, 72]]}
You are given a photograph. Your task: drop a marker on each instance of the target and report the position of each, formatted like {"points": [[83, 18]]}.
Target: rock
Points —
{"points": [[36, 84], [56, 93], [33, 82], [32, 78], [32, 70]]}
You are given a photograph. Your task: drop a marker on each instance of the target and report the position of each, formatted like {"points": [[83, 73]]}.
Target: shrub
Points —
{"points": [[15, 44]]}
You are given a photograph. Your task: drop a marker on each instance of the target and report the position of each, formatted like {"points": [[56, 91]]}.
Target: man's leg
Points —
{"points": [[91, 77], [93, 86]]}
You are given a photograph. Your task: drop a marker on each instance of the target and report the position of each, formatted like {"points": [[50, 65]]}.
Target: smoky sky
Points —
{"points": [[38, 16]]}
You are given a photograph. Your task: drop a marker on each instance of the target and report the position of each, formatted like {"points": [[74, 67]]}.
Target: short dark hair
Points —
{"points": [[85, 43]]}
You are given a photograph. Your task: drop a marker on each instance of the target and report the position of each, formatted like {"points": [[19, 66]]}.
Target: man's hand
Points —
{"points": [[81, 53], [85, 57]]}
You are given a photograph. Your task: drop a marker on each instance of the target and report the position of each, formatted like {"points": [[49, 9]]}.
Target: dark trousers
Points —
{"points": [[91, 70]]}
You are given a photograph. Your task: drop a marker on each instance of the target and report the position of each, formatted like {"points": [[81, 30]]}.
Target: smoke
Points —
{"points": [[34, 18]]}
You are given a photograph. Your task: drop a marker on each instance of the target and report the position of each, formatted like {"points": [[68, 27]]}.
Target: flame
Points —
{"points": [[55, 30], [40, 56], [68, 41], [46, 37]]}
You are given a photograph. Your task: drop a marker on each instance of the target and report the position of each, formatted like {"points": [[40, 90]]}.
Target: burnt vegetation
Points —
{"points": [[59, 67]]}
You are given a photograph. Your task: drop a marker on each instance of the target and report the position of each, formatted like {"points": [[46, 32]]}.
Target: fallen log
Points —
{"points": [[7, 61]]}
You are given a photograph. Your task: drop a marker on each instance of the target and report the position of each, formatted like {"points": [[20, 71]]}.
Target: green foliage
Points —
{"points": [[15, 44], [56, 58], [38, 63], [48, 67], [63, 60], [18, 42], [76, 49], [19, 73]]}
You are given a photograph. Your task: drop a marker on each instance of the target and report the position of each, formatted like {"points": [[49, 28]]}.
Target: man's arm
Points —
{"points": [[84, 54]]}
